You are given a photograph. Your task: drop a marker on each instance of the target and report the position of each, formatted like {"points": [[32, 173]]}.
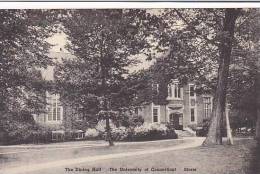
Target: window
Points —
{"points": [[192, 114], [54, 114], [54, 110], [169, 90], [155, 115], [192, 91], [49, 112], [58, 113], [177, 91], [174, 90], [207, 106]]}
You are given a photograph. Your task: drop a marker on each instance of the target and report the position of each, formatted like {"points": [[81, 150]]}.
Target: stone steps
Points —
{"points": [[185, 133]]}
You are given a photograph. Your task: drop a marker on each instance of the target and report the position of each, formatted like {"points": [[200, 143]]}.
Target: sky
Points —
{"points": [[59, 41]]}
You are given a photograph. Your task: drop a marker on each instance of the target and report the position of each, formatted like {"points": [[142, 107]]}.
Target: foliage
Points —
{"points": [[132, 120], [101, 125], [102, 115], [152, 131], [203, 128], [23, 53], [20, 128], [120, 133], [142, 132], [102, 42], [92, 133]]}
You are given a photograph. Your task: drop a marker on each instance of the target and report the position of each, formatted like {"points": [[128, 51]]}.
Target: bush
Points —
{"points": [[136, 120], [17, 131], [152, 131], [101, 125], [119, 134], [144, 132], [203, 128], [92, 134], [41, 136]]}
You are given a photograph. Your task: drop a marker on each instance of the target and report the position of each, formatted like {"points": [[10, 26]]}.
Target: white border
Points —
{"points": [[109, 5]]}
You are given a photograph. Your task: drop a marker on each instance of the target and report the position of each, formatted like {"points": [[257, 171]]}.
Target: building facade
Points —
{"points": [[184, 107]]}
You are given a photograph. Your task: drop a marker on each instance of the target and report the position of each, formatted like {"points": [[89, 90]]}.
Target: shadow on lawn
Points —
{"points": [[255, 163]]}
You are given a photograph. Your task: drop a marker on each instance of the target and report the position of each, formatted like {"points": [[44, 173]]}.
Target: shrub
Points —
{"points": [[101, 125], [136, 120], [144, 132], [153, 131], [41, 136], [92, 133], [16, 131], [203, 128], [120, 133]]}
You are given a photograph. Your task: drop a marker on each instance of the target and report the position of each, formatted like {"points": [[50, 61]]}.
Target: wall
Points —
{"points": [[146, 113]]}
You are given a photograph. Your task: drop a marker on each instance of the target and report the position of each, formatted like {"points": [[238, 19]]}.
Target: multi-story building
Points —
{"points": [[184, 107]]}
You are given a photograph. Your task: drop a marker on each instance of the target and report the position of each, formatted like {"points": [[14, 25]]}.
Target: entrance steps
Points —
{"points": [[186, 132]]}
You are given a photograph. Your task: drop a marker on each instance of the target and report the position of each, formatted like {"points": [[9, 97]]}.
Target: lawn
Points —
{"points": [[224, 159], [205, 160]]}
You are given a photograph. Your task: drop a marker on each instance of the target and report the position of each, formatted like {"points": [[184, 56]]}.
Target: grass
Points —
{"points": [[241, 158], [255, 161]]}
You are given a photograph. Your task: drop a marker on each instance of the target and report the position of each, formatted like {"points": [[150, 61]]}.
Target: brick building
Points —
{"points": [[184, 107]]}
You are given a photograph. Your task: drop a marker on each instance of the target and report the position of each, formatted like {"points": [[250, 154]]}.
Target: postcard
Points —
{"points": [[129, 87]]}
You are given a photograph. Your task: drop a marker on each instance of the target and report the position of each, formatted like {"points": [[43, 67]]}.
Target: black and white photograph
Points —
{"points": [[152, 89]]}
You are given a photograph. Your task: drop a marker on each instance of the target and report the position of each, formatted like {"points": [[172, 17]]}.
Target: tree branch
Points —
{"points": [[194, 28]]}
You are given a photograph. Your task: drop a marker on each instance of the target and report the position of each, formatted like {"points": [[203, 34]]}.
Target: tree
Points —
{"points": [[214, 135], [23, 54], [102, 42], [213, 31]]}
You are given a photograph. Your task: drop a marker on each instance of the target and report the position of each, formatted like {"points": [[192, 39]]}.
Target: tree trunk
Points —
{"points": [[106, 103], [229, 133], [109, 136], [214, 135]]}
